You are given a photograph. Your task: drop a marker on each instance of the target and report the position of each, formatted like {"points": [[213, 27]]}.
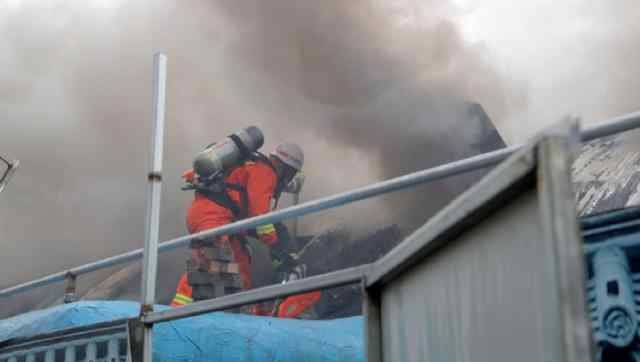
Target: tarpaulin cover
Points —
{"points": [[212, 337]]}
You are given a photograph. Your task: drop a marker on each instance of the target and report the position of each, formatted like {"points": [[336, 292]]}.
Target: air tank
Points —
{"points": [[225, 154]]}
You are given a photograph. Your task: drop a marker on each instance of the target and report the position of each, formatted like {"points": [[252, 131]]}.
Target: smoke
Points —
{"points": [[368, 92], [371, 90], [577, 58]]}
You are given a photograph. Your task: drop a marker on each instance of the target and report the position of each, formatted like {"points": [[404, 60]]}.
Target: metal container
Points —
{"points": [[226, 154]]}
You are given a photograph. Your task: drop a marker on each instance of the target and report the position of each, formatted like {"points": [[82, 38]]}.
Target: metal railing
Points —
{"points": [[609, 127], [104, 342]]}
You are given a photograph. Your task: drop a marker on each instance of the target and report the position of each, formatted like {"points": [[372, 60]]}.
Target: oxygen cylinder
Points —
{"points": [[226, 154]]}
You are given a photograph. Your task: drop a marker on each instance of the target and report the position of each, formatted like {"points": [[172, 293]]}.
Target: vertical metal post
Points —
{"points": [[70, 288], [92, 352], [50, 356], [294, 225], [150, 261], [113, 350], [70, 354], [371, 310], [555, 154]]}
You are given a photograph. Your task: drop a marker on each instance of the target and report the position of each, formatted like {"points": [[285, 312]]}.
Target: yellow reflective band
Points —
{"points": [[265, 229], [182, 299]]}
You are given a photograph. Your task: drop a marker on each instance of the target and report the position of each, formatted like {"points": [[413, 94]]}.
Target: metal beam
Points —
{"points": [[610, 127], [324, 281], [560, 223], [372, 312], [152, 225]]}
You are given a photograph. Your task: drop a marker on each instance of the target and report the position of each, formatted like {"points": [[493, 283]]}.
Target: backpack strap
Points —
{"points": [[243, 210], [257, 156], [222, 198], [241, 146]]}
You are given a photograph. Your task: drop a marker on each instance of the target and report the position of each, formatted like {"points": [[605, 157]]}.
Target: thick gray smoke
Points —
{"points": [[367, 95], [371, 89]]}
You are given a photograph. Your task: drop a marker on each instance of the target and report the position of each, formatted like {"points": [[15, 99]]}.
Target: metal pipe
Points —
{"points": [[70, 353], [318, 282], [92, 351], [113, 349], [70, 288], [294, 223], [150, 263], [610, 127]]}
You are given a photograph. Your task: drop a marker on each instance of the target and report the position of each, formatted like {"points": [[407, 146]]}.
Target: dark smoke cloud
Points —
{"points": [[368, 93]]}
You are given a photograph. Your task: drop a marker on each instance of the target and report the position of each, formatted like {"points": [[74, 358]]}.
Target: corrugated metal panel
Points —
{"points": [[496, 276], [486, 297]]}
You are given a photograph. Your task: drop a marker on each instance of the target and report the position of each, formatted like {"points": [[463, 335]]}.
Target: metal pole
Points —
{"points": [[70, 288], [317, 282], [150, 264], [294, 224], [610, 127]]}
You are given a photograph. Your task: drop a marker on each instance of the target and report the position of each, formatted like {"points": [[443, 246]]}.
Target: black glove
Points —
{"points": [[282, 261], [285, 242]]}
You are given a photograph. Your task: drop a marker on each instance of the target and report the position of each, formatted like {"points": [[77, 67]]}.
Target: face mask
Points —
{"points": [[295, 185]]}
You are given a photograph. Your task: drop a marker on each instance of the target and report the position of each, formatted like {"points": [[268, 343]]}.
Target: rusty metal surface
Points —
{"points": [[607, 173]]}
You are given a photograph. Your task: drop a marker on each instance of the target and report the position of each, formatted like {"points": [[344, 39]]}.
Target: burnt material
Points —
{"points": [[335, 250]]}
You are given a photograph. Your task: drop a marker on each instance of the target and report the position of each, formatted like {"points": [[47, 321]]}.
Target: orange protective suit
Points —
{"points": [[291, 307], [260, 181], [183, 293]]}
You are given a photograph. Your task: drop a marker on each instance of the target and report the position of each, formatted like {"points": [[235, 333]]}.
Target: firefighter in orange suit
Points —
{"points": [[264, 180]]}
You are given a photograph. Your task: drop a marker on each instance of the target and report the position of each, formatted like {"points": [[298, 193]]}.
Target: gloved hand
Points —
{"points": [[285, 242], [282, 261]]}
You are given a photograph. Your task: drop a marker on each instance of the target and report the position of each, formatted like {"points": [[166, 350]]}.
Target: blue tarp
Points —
{"points": [[212, 337]]}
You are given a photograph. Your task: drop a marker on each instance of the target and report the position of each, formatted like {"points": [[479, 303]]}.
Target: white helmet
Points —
{"points": [[291, 154]]}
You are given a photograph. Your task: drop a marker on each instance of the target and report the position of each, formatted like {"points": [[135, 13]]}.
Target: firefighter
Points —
{"points": [[254, 185]]}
